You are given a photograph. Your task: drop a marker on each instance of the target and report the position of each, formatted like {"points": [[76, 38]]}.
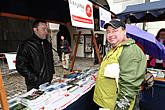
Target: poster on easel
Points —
{"points": [[87, 43]]}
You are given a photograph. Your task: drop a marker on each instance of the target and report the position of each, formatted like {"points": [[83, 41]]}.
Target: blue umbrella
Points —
{"points": [[150, 44]]}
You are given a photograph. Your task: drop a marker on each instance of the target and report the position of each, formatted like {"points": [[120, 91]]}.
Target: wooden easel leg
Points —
{"points": [[75, 51], [95, 46], [3, 98]]}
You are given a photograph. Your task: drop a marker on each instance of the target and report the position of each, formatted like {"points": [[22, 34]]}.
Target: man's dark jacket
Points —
{"points": [[34, 61]]}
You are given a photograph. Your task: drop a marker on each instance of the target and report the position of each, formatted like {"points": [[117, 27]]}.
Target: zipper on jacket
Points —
{"points": [[45, 60]]}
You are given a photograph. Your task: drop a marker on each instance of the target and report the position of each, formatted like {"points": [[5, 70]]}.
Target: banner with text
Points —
{"points": [[81, 12], [105, 17]]}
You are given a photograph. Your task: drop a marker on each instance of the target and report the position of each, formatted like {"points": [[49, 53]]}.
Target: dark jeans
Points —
{"points": [[138, 100], [60, 56], [96, 61], [95, 106]]}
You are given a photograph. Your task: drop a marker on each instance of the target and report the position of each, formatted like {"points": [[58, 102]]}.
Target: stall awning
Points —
{"points": [[56, 10], [151, 11], [53, 10]]}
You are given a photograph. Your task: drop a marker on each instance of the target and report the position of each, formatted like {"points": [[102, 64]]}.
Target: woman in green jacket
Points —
{"points": [[121, 72]]}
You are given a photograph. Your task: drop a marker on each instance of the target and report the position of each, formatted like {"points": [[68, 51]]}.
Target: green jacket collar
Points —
{"points": [[128, 42]]}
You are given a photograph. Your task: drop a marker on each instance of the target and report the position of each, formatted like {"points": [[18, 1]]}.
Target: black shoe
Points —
{"points": [[66, 69]]}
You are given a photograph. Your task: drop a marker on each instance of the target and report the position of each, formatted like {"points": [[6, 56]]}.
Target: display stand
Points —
{"points": [[75, 51], [3, 98], [76, 47], [95, 46]]}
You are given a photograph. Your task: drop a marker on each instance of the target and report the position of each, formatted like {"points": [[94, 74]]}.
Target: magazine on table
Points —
{"points": [[34, 99]]}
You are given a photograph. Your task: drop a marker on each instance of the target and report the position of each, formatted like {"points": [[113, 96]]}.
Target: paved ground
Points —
{"points": [[14, 83]]}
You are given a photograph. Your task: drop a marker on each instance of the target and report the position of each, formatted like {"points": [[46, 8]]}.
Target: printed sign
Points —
{"points": [[11, 60], [53, 26], [81, 12], [105, 17]]}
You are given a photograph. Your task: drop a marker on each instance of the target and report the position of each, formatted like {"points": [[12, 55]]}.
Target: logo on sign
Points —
{"points": [[102, 22], [88, 10]]}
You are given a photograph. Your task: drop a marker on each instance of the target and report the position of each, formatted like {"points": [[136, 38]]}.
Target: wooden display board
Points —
{"points": [[3, 99], [159, 79], [76, 47]]}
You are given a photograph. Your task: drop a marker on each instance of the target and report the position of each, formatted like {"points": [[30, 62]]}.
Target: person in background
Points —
{"points": [[99, 43], [65, 50], [121, 72], [158, 63], [34, 60], [63, 31], [58, 46]]}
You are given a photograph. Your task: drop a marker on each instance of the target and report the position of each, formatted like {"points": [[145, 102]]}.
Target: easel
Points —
{"points": [[76, 47], [3, 99], [75, 52]]}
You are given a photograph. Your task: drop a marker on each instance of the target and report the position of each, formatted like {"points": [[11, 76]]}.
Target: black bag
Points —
{"points": [[148, 80]]}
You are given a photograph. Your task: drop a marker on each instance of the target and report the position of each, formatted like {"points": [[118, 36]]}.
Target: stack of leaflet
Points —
{"points": [[76, 87], [15, 105], [55, 92], [18, 106], [53, 87], [60, 94], [72, 75], [34, 99], [157, 72], [81, 79]]}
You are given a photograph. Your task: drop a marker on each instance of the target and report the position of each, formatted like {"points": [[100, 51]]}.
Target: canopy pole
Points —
{"points": [[95, 46], [75, 51], [3, 98]]}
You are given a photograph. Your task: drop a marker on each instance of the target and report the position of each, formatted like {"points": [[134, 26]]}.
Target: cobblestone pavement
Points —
{"points": [[14, 82]]}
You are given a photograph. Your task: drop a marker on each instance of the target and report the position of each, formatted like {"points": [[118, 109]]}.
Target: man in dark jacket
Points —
{"points": [[34, 59]]}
